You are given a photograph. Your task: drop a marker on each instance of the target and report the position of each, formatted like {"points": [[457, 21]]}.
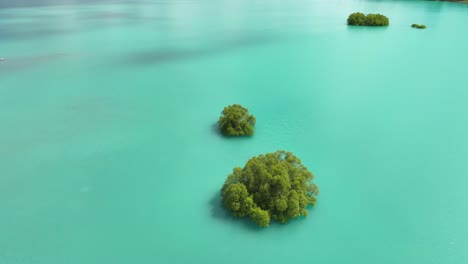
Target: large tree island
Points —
{"points": [[275, 185]]}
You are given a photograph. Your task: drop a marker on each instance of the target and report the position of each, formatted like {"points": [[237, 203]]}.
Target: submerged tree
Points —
{"points": [[275, 185], [236, 121]]}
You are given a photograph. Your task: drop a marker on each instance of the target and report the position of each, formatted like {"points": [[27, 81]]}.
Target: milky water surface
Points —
{"points": [[109, 151]]}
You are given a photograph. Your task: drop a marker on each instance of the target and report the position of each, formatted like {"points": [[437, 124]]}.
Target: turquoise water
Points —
{"points": [[109, 153]]}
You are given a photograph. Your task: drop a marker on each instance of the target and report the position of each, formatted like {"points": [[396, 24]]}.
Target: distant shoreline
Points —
{"points": [[456, 1]]}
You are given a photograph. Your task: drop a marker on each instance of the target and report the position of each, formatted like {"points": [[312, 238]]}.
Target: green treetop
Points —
{"points": [[236, 121], [275, 185], [359, 19]]}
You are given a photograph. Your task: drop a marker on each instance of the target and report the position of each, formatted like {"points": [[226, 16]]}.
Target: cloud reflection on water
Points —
{"points": [[157, 56], [38, 3], [15, 64]]}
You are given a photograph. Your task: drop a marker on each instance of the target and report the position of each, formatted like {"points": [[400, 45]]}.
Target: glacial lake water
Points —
{"points": [[109, 151]]}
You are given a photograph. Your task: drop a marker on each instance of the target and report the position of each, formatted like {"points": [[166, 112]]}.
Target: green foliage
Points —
{"points": [[237, 199], [418, 26], [376, 20], [359, 19], [260, 217], [236, 121], [275, 185]]}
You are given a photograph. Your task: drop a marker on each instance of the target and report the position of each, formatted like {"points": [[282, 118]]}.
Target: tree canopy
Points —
{"points": [[235, 120], [275, 185], [359, 19]]}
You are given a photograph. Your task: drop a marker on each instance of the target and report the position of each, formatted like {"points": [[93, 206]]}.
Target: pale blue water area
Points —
{"points": [[109, 153]]}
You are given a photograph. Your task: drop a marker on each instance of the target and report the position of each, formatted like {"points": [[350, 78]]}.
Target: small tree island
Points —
{"points": [[373, 20], [420, 26], [275, 185], [236, 121]]}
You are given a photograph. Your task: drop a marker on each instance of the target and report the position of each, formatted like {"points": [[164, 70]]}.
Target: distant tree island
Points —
{"points": [[275, 185], [456, 1], [420, 26], [371, 20], [235, 120]]}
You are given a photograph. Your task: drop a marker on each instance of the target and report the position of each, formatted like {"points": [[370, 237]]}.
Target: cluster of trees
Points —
{"points": [[420, 26], [235, 120], [275, 185], [360, 19]]}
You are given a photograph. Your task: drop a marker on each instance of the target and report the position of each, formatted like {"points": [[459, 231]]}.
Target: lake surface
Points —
{"points": [[109, 151]]}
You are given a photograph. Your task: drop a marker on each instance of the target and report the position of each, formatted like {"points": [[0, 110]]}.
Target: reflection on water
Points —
{"points": [[167, 55], [14, 64], [39, 3]]}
